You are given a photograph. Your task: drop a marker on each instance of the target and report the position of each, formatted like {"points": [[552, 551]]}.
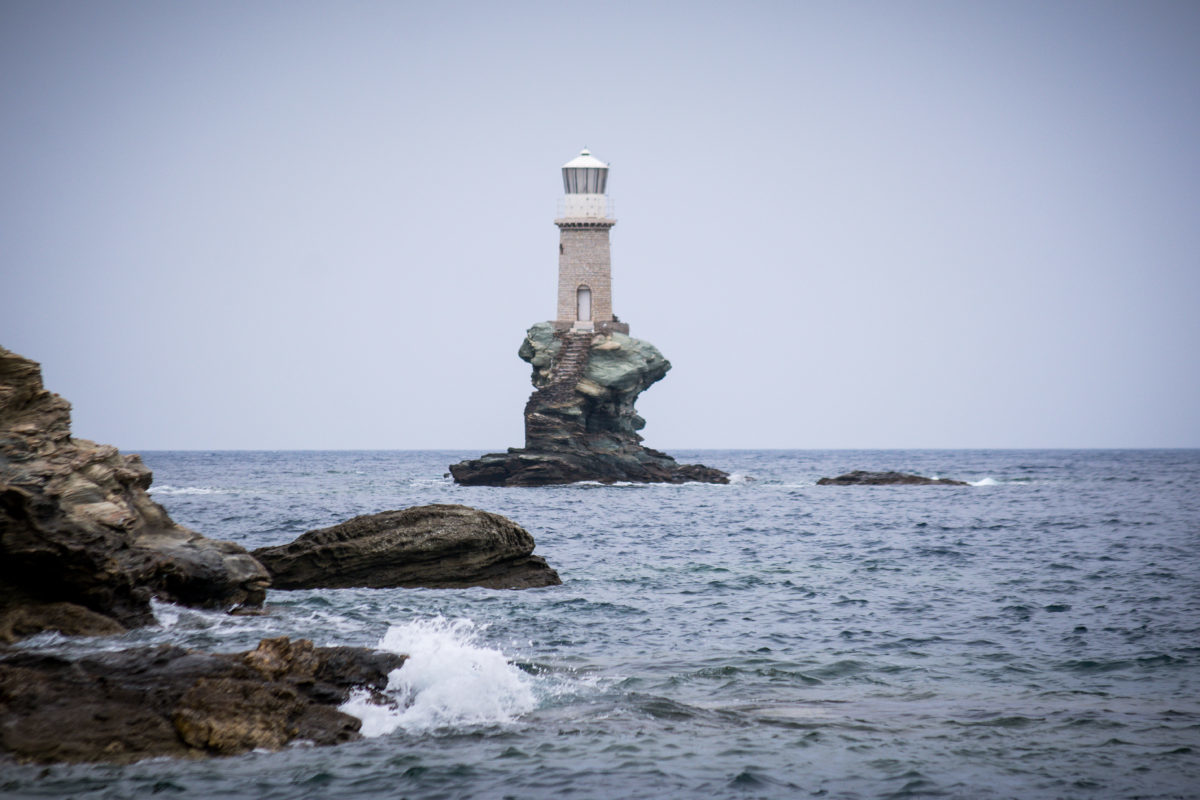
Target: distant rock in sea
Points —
{"points": [[862, 478], [433, 546], [168, 701], [83, 548], [580, 423]]}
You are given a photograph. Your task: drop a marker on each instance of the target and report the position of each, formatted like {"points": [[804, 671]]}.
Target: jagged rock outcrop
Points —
{"points": [[580, 423], [83, 548], [434, 546], [168, 701], [862, 478]]}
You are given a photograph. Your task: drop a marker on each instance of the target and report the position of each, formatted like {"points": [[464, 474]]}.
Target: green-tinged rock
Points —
{"points": [[629, 368], [540, 348]]}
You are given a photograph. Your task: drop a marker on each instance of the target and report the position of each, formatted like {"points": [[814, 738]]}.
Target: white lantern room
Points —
{"points": [[585, 179]]}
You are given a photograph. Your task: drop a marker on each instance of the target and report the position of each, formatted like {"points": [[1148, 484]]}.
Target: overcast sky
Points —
{"points": [[847, 225]]}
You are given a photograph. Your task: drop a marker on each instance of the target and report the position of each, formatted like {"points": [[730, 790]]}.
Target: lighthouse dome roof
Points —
{"points": [[585, 160]]}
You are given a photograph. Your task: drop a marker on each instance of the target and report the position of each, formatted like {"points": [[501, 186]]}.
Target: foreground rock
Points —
{"points": [[168, 701], [580, 424], [862, 478], [83, 548], [434, 546]]}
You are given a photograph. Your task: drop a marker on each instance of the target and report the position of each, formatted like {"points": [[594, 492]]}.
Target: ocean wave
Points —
{"points": [[448, 681], [201, 626], [186, 490], [165, 614], [985, 482], [429, 483], [735, 479]]}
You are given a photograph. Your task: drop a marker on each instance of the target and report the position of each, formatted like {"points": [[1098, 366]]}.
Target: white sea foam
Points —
{"points": [[448, 681], [185, 490], [208, 622], [985, 482], [733, 479], [427, 483], [166, 614]]}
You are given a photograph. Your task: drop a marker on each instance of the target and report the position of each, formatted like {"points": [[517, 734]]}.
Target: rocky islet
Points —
{"points": [[580, 422], [864, 478]]}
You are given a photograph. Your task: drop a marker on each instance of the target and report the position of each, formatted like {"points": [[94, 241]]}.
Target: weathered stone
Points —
{"points": [[274, 658], [168, 701], [863, 478], [227, 716], [580, 424], [25, 618], [77, 526], [434, 546]]}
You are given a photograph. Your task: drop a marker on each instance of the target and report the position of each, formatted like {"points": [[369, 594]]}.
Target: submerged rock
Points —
{"points": [[168, 701], [580, 423], [433, 546], [862, 478], [83, 548]]}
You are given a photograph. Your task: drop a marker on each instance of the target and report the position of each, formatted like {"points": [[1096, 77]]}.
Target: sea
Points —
{"points": [[1035, 634]]}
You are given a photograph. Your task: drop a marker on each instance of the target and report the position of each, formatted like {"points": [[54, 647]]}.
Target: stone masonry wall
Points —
{"points": [[585, 259]]}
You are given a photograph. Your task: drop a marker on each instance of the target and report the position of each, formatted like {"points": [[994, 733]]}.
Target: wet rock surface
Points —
{"points": [[432, 546], [863, 478], [83, 547], [168, 701], [580, 423]]}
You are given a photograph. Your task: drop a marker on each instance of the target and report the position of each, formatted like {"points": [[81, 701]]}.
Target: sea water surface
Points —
{"points": [[1033, 635]]}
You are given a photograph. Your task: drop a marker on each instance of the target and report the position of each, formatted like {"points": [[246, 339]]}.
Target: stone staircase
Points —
{"points": [[569, 367], [560, 391]]}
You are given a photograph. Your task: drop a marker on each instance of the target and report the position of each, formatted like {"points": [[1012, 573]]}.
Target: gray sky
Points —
{"points": [[327, 225]]}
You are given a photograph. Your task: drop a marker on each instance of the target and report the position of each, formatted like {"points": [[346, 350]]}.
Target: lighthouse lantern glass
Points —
{"points": [[585, 180]]}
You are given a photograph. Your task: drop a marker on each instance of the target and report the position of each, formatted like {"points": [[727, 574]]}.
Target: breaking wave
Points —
{"points": [[448, 681]]}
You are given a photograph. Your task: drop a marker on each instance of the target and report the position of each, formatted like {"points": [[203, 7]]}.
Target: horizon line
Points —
{"points": [[1091, 448]]}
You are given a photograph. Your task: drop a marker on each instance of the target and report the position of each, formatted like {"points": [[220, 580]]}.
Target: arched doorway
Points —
{"points": [[583, 304]]}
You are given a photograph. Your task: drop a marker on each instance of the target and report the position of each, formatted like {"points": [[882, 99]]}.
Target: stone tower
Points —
{"points": [[584, 256]]}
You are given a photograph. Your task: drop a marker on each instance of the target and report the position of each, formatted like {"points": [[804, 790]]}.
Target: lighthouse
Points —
{"points": [[580, 422], [584, 255]]}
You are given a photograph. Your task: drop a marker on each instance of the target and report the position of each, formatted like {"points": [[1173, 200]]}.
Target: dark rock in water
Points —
{"points": [[434, 546], [168, 701], [862, 478], [26, 618], [580, 423], [83, 548], [542, 468]]}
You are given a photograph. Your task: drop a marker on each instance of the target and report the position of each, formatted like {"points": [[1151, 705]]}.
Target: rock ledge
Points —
{"points": [[167, 701], [433, 546]]}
